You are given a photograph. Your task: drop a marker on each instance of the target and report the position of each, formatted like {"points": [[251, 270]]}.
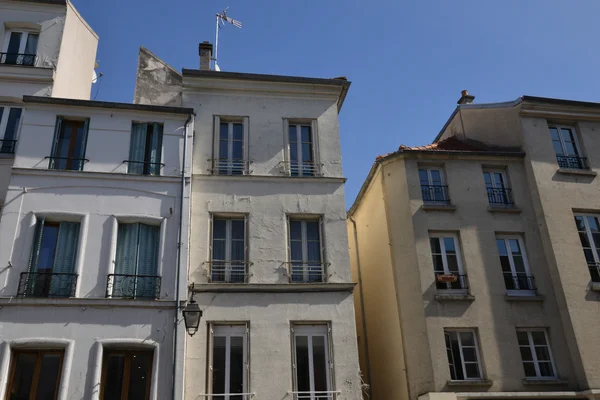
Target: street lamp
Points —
{"points": [[191, 315]]}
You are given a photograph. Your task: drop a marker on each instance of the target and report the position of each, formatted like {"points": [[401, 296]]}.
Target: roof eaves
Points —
{"points": [[51, 2], [561, 102], [106, 104]]}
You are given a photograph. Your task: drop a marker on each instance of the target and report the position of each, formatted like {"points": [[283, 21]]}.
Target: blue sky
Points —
{"points": [[407, 60]]}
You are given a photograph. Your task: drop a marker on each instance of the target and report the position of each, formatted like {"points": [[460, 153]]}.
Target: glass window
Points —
{"points": [[10, 118], [145, 149], [447, 263], [126, 375], [301, 150], [230, 149], [312, 364], [497, 188], [515, 267], [566, 147], [35, 374], [228, 258], [229, 366], [433, 187], [588, 228], [20, 48], [69, 144], [463, 355], [536, 353], [305, 251]]}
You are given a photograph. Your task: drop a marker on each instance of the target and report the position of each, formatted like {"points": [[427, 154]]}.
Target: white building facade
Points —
{"points": [[89, 239]]}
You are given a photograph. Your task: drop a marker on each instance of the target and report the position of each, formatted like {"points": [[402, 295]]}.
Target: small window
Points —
{"points": [[515, 268], [305, 251], [312, 364], [228, 366], [447, 262], [228, 258], [10, 117], [20, 48], [35, 374], [303, 160], [231, 146], [433, 187], [462, 350], [536, 353], [126, 375], [498, 191], [145, 150], [70, 139], [136, 265], [588, 227], [566, 147]]}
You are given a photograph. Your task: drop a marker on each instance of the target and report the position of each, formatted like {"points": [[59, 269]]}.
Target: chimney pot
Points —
{"points": [[205, 50], [465, 98]]}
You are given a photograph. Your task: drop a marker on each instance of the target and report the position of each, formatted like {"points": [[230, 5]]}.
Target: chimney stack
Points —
{"points": [[205, 49], [465, 98]]}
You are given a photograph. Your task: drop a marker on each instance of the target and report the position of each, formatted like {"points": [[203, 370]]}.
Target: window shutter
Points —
{"points": [[56, 136], [156, 149], [216, 155], [137, 148]]}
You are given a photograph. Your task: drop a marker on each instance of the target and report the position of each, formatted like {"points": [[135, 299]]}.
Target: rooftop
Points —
{"points": [[106, 104]]}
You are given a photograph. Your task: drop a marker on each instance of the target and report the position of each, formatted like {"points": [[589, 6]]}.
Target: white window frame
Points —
{"points": [[228, 243], [534, 355], [287, 122], [227, 331], [461, 270], [588, 232], [513, 270], [429, 169], [4, 119], [305, 260], [311, 331], [462, 357], [500, 171], [573, 129], [245, 121], [25, 35]]}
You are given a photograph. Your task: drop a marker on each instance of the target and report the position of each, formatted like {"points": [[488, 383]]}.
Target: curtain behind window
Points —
{"points": [[155, 149], [137, 148]]}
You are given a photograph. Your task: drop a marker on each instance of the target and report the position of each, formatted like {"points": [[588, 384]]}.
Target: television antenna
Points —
{"points": [[221, 19]]}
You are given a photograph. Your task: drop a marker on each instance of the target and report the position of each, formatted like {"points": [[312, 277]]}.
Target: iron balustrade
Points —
{"points": [[445, 281], [295, 168], [226, 166], [572, 162], [228, 271], [500, 196], [7, 146], [435, 194], [594, 271], [306, 272], [47, 284], [18, 59], [519, 282], [66, 163], [148, 168], [133, 286], [316, 395]]}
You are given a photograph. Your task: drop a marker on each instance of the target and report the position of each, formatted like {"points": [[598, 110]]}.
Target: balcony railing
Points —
{"points": [[226, 166], [594, 271], [519, 282], [228, 271], [18, 59], [306, 272], [47, 284], [7, 146], [572, 162], [316, 395], [66, 163], [435, 194], [500, 197], [445, 281], [133, 286], [294, 168], [143, 168]]}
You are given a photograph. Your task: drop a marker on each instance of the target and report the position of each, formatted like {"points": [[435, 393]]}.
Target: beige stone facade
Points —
{"points": [[521, 323]]}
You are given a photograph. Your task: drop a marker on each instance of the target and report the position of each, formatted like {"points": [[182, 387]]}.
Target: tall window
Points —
{"points": [[228, 366], [70, 139], [588, 227], [137, 262], [126, 375], [515, 267], [20, 48], [566, 147], [496, 185], [462, 350], [301, 141], [10, 118], [305, 250], [231, 140], [536, 353], [145, 149], [447, 263], [433, 187], [228, 263], [34, 374], [52, 263], [311, 362]]}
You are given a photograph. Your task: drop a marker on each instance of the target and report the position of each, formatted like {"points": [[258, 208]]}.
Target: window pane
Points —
{"points": [[14, 43], [423, 177], [139, 378], [542, 353], [320, 363], [312, 230], [519, 264], [236, 380], [223, 149], [438, 265], [488, 179], [293, 138], [219, 226], [529, 368], [467, 338], [557, 148], [296, 230], [526, 353], [571, 150], [302, 364], [31, 45], [238, 132], [469, 354], [567, 135], [14, 116], [306, 152], [237, 229], [554, 133], [538, 338], [48, 248], [523, 338], [472, 370], [224, 131], [449, 245], [23, 376], [237, 150], [452, 264], [593, 224], [546, 369], [113, 384], [306, 134], [498, 180], [435, 245], [49, 373], [584, 239], [579, 223], [436, 177], [219, 364]]}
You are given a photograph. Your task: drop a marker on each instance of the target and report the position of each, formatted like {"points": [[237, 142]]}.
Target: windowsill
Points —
{"points": [[523, 297], [595, 286], [547, 381], [441, 297], [570, 171], [273, 287], [471, 382], [438, 207], [504, 209]]}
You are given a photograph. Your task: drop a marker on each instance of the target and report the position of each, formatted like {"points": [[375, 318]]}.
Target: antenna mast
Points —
{"points": [[220, 22]]}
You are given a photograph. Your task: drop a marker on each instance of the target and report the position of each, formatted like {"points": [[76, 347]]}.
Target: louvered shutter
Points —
{"points": [[137, 148]]}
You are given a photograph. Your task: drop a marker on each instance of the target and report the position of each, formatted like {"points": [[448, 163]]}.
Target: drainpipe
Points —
{"points": [[179, 257], [362, 306]]}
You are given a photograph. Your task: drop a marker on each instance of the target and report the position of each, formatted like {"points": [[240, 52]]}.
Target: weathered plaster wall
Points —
{"points": [[156, 82]]}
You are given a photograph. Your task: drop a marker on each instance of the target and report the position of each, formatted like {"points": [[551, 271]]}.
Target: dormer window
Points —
{"points": [[20, 48]]}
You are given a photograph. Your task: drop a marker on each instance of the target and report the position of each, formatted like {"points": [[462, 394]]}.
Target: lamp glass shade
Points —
{"points": [[191, 317]]}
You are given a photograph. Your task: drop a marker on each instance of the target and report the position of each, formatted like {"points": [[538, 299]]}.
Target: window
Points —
{"points": [[52, 263], [231, 146], [496, 185], [34, 374], [566, 147], [68, 150], [447, 264], [302, 149], [305, 251], [136, 264], [312, 364], [515, 267], [228, 366], [126, 375], [10, 117], [536, 354], [228, 260], [463, 354], [145, 149], [20, 48], [433, 188], [588, 228]]}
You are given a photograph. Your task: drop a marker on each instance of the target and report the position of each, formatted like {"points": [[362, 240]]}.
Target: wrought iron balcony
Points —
{"points": [[316, 395], [143, 167], [66, 163], [226, 166], [7, 146], [435, 194], [572, 162], [133, 286], [47, 284], [445, 281], [18, 59], [594, 271], [306, 272], [519, 282], [228, 271], [501, 197], [294, 168]]}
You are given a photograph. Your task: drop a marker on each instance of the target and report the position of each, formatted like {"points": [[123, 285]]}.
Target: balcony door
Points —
{"points": [[35, 375], [447, 261], [433, 186], [20, 48], [515, 267]]}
